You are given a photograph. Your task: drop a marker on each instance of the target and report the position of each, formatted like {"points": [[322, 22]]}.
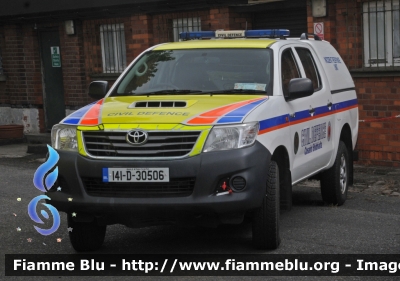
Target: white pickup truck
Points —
{"points": [[212, 129]]}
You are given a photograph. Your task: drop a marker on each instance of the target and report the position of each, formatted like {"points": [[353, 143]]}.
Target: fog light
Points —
{"points": [[238, 183], [223, 187]]}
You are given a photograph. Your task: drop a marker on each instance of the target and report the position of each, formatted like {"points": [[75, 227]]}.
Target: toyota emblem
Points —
{"points": [[136, 137]]}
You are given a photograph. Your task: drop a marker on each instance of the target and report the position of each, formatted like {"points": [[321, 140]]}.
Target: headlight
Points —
{"points": [[231, 137], [64, 138]]}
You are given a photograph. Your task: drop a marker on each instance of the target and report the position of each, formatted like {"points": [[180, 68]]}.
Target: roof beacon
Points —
{"points": [[268, 33]]}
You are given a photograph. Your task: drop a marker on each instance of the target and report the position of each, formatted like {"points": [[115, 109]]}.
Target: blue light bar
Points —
{"points": [[273, 33], [196, 35], [269, 33]]}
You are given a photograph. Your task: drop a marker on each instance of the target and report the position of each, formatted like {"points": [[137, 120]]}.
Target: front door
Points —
{"points": [[53, 88], [311, 117]]}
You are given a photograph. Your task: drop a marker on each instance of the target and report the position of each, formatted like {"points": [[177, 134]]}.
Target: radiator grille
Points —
{"points": [[159, 144], [180, 187]]}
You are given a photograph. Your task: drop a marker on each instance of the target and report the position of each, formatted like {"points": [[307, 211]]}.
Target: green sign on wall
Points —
{"points": [[55, 56]]}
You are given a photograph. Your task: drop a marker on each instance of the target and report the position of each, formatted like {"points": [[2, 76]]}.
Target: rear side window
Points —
{"points": [[289, 70], [309, 67]]}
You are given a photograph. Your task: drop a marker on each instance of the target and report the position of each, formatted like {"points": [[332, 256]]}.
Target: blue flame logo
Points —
{"points": [[38, 178], [43, 180]]}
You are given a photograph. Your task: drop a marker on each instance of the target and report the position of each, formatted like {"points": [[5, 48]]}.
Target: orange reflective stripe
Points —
{"points": [[228, 108], [202, 120], [92, 116], [211, 116]]}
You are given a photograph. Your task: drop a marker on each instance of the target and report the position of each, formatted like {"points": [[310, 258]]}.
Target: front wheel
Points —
{"points": [[335, 181], [266, 218]]}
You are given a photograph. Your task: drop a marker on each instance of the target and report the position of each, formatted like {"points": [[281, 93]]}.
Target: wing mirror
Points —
{"points": [[98, 89], [299, 88]]}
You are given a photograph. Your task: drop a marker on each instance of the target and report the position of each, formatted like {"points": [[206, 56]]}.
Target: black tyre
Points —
{"points": [[285, 182], [266, 218], [285, 191], [335, 181], [86, 236]]}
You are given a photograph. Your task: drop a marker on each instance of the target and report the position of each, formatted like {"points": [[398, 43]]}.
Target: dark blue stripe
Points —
{"points": [[300, 115], [72, 121], [76, 116], [105, 174], [272, 122], [230, 120], [237, 115], [242, 111]]}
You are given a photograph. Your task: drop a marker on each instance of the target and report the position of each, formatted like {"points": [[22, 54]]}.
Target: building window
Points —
{"points": [[185, 24], [113, 48], [381, 33]]}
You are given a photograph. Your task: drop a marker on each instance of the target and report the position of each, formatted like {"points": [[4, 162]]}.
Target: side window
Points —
{"points": [[289, 69], [309, 67]]}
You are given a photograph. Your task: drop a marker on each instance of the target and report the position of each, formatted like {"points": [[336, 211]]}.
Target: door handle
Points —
{"points": [[329, 104], [311, 111]]}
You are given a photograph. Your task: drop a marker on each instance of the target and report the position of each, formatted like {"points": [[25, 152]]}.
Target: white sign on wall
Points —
{"points": [[319, 29]]}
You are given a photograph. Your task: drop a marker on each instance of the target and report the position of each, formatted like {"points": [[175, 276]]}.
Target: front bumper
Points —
{"points": [[208, 169]]}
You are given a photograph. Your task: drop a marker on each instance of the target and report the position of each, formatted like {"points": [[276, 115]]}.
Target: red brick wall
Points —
{"points": [[226, 18], [379, 141], [81, 52], [329, 21], [4, 98], [378, 97], [32, 64], [144, 31], [73, 65], [141, 36], [21, 65], [19, 74]]}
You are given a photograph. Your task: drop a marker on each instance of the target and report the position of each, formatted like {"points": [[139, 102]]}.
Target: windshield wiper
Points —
{"points": [[233, 91], [166, 92]]}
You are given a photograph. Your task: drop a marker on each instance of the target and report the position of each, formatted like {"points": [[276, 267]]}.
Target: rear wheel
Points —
{"points": [[266, 218], [335, 181], [86, 236]]}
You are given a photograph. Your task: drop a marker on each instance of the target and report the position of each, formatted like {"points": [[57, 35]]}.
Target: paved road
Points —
{"points": [[369, 222]]}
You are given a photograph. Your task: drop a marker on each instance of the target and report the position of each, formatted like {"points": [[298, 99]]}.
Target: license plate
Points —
{"points": [[135, 174]]}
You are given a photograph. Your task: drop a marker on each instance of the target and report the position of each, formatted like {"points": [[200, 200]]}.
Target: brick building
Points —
{"points": [[367, 35], [50, 51]]}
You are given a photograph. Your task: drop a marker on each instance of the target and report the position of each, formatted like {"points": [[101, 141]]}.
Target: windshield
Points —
{"points": [[199, 71]]}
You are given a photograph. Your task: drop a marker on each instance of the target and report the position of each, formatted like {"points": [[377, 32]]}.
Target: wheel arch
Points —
{"points": [[281, 157]]}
